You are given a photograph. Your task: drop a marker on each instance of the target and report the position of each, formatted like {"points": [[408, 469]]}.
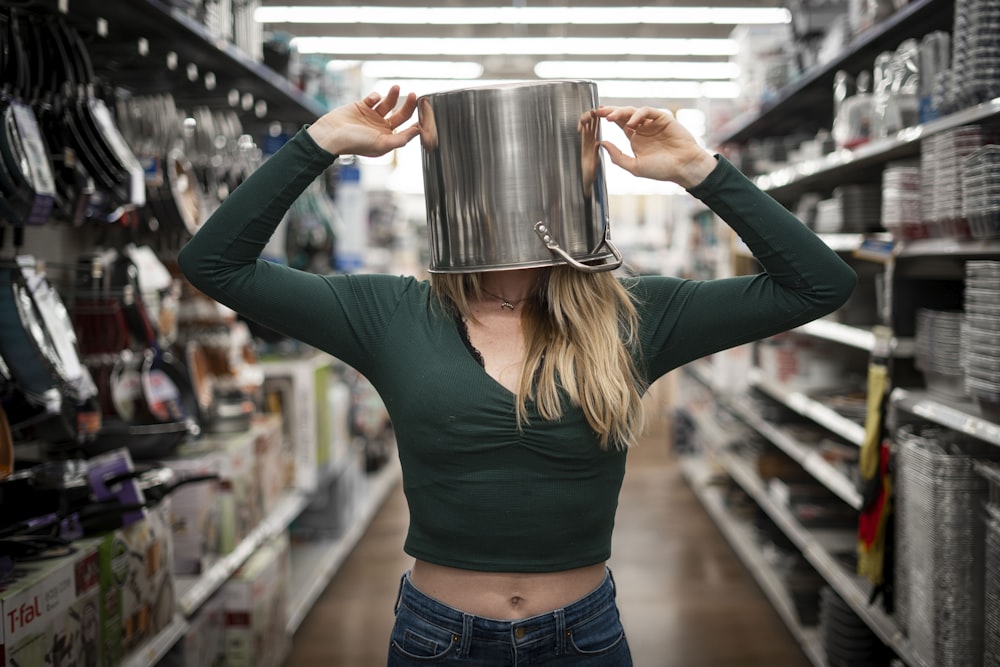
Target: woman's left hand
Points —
{"points": [[662, 148], [368, 127]]}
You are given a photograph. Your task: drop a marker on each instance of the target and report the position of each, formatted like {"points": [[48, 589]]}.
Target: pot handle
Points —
{"points": [[543, 233]]}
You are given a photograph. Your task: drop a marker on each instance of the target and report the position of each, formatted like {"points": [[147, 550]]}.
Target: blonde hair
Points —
{"points": [[579, 335]]}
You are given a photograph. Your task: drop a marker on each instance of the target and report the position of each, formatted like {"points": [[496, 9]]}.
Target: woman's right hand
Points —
{"points": [[368, 127]]}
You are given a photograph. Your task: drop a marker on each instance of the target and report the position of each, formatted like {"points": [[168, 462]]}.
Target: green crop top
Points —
{"points": [[483, 495]]}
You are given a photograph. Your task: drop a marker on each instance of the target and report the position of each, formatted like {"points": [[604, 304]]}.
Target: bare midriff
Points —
{"points": [[505, 596]]}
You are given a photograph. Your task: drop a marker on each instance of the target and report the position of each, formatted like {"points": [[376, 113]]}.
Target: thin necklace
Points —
{"points": [[505, 303]]}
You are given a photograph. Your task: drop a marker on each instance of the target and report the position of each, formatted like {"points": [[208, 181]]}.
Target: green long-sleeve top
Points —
{"points": [[482, 493]]}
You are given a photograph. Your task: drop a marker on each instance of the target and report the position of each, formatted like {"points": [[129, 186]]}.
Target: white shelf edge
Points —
{"points": [[922, 404], [195, 590], [741, 541], [873, 150], [808, 458], [807, 407], [157, 647], [330, 555], [861, 338], [847, 586]]}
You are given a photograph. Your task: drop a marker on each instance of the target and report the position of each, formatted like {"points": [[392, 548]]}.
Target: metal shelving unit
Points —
{"points": [[194, 591], [118, 28], [314, 563], [809, 408], [961, 417], [806, 456], [740, 538], [808, 99], [794, 179]]}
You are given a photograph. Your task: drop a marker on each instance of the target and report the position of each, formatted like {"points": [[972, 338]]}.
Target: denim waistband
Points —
{"points": [[473, 627]]}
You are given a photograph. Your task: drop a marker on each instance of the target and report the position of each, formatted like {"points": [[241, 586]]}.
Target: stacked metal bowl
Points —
{"points": [[982, 335], [940, 542], [981, 192], [941, 159], [939, 351], [901, 202], [847, 640]]}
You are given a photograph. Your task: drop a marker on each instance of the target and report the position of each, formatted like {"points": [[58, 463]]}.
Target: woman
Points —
{"points": [[513, 394]]}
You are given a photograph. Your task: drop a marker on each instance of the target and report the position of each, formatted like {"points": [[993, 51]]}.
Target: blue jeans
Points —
{"points": [[586, 633]]}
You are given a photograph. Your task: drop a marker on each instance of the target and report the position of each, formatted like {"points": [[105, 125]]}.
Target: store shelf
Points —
{"points": [[155, 649], [168, 29], [851, 588], [314, 563], [958, 417], [807, 102], [740, 538], [844, 164], [949, 247], [193, 591], [808, 457], [857, 337], [809, 408]]}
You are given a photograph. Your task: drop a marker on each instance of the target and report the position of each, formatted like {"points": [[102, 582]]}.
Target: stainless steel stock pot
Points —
{"points": [[513, 178]]}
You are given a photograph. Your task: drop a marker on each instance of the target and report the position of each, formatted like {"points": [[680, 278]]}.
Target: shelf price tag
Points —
{"points": [[875, 249]]}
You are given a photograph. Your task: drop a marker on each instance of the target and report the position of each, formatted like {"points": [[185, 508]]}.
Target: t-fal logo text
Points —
{"points": [[26, 613]]}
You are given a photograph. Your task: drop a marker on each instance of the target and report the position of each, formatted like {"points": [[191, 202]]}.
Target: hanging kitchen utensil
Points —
{"points": [[513, 178], [24, 151], [165, 385], [38, 342], [94, 134]]}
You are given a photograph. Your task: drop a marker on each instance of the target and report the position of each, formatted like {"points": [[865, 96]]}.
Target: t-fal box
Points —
{"points": [[137, 583], [51, 612], [256, 607]]}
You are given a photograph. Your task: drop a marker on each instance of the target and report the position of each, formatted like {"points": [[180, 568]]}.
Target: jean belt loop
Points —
{"points": [[560, 616], [466, 644], [399, 593], [614, 588]]}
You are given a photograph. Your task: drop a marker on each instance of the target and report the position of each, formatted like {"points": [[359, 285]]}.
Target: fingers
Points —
{"points": [[405, 112], [623, 160]]}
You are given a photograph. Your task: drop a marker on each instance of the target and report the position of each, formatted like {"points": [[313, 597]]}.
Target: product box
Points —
{"points": [[51, 611], [256, 599], [194, 519], [269, 441], [298, 390], [237, 508], [204, 643], [137, 583]]}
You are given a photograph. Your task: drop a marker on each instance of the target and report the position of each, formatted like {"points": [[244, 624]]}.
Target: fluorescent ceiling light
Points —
{"points": [[421, 69], [634, 90], [522, 15], [417, 46], [602, 69]]}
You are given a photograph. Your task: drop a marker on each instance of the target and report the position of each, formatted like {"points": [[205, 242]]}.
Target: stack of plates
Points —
{"points": [[901, 202], [847, 640], [981, 43], [939, 351], [981, 192], [853, 208], [991, 592], [982, 335], [940, 565], [941, 158]]}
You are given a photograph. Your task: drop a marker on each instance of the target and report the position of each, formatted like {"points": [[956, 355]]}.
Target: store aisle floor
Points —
{"points": [[686, 600]]}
